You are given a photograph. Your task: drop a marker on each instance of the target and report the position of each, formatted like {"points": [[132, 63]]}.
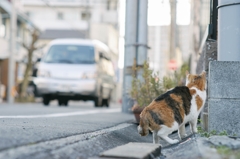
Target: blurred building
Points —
{"points": [[94, 19], [23, 28], [159, 42], [188, 36], [200, 19]]}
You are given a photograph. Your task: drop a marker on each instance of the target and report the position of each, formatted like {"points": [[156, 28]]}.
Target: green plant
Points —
{"points": [[211, 133], [223, 133], [147, 87], [227, 153], [200, 120]]}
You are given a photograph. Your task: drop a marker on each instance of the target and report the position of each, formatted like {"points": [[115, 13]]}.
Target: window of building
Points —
{"points": [[2, 30], [60, 16], [111, 5], [85, 15]]}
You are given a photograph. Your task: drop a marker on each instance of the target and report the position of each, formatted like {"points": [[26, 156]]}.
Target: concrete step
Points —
{"points": [[133, 150]]}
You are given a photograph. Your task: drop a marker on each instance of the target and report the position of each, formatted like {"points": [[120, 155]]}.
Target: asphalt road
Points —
{"points": [[77, 131]]}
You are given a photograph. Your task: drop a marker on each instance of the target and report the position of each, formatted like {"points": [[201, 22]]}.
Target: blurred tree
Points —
{"points": [[196, 32], [30, 49]]}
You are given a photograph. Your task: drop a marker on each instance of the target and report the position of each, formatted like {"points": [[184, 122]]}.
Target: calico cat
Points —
{"points": [[173, 109]]}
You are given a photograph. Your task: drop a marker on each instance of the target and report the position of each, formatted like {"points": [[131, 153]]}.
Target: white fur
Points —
{"points": [[164, 132], [187, 81], [139, 129], [192, 118]]}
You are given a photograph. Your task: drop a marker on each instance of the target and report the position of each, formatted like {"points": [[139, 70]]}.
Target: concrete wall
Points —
{"points": [[224, 97], [209, 53]]}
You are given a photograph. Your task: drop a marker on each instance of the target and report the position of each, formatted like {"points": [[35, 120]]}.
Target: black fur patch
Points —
{"points": [[156, 118], [184, 93]]}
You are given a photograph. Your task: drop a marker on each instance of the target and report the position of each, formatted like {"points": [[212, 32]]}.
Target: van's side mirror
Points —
{"points": [[38, 59], [101, 55]]}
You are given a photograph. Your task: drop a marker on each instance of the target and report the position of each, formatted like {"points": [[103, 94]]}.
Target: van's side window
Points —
{"points": [[101, 55]]}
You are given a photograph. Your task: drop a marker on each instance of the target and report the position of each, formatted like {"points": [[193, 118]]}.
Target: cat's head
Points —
{"points": [[198, 81]]}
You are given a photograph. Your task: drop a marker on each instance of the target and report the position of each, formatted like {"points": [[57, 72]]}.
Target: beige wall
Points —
{"points": [[105, 33], [4, 73]]}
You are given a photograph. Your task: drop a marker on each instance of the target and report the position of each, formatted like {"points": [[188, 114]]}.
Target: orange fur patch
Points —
{"points": [[162, 110], [192, 91], [199, 102]]}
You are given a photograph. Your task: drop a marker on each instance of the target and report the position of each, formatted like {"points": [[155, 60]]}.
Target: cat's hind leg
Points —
{"points": [[155, 137], [193, 124], [165, 131], [181, 132], [169, 140]]}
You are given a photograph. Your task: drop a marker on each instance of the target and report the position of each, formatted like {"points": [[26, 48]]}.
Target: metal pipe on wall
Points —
{"points": [[228, 30]]}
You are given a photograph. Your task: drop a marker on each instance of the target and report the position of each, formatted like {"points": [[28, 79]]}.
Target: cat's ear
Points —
{"points": [[187, 73], [203, 73]]}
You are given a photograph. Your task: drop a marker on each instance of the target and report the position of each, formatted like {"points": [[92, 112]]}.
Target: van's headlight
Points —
{"points": [[43, 73], [88, 75]]}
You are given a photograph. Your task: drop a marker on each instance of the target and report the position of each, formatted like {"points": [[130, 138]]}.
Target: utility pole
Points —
{"points": [[173, 29], [130, 51], [142, 32], [11, 60], [135, 45]]}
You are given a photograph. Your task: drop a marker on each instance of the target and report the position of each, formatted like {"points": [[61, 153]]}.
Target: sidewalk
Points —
{"points": [[192, 147]]}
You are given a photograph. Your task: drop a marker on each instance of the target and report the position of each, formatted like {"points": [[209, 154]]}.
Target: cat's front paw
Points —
{"points": [[174, 141], [195, 131], [183, 136]]}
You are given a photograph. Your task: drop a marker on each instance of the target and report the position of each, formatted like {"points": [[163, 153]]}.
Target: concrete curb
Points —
{"points": [[190, 147], [134, 150]]}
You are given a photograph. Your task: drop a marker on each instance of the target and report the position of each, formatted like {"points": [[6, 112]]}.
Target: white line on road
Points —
{"points": [[64, 114]]}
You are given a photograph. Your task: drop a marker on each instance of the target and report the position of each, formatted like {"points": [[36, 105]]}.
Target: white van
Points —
{"points": [[76, 69]]}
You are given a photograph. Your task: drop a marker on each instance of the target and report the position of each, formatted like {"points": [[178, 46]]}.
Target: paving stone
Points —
{"points": [[134, 150], [192, 147], [225, 141]]}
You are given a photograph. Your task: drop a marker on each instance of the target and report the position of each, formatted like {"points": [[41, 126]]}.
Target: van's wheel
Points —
{"points": [[60, 102], [65, 103], [98, 101], [46, 100], [106, 102]]}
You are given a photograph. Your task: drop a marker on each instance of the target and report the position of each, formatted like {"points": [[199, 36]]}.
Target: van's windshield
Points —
{"points": [[72, 54]]}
